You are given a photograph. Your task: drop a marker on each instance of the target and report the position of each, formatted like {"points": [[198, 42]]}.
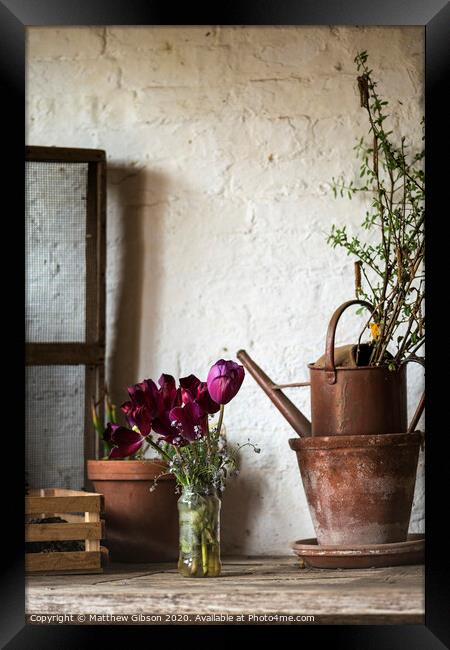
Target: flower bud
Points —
{"points": [[224, 380]]}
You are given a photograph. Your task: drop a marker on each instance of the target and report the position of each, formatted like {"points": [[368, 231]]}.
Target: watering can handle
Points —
{"points": [[330, 368], [421, 405]]}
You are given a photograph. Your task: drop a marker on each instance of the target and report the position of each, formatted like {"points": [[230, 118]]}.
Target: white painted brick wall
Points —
{"points": [[221, 143]]}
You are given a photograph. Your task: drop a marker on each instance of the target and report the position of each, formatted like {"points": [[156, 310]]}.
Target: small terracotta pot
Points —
{"points": [[359, 488], [141, 525]]}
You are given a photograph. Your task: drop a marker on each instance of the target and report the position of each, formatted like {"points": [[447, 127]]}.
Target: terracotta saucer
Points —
{"points": [[361, 557]]}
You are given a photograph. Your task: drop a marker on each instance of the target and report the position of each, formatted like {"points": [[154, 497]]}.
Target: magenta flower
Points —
{"points": [[167, 392], [138, 416], [168, 398], [163, 426], [142, 419], [204, 399], [178, 415], [126, 442], [224, 380], [145, 394], [142, 406], [189, 421], [192, 389], [127, 408], [189, 386]]}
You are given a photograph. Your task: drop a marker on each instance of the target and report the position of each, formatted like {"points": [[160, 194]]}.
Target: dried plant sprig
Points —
{"points": [[393, 270]]}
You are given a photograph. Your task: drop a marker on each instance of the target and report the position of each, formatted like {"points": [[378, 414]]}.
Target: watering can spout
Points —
{"points": [[300, 424]]}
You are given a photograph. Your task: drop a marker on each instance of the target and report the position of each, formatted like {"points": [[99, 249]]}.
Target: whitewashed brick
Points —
{"points": [[49, 43]]}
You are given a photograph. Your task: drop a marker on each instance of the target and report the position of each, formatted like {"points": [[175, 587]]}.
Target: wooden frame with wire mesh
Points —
{"points": [[90, 352]]}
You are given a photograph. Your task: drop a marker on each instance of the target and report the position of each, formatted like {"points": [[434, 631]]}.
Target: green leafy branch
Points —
{"points": [[389, 274]]}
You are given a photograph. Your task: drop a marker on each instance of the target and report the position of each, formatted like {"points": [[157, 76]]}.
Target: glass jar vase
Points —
{"points": [[199, 518]]}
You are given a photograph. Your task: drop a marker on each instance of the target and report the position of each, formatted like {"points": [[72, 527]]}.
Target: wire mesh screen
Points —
{"points": [[54, 426], [55, 261]]}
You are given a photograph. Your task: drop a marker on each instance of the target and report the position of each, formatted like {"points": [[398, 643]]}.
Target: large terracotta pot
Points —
{"points": [[359, 488], [141, 525]]}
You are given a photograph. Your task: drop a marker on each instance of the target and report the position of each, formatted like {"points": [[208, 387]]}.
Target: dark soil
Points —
{"points": [[52, 547]]}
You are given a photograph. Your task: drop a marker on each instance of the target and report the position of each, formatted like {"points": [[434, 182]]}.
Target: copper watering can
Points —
{"points": [[345, 399]]}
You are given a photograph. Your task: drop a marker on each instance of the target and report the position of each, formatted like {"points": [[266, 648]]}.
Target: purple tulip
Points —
{"points": [[167, 392], [107, 435], [224, 380], [168, 397], [189, 386], [138, 416], [127, 408], [142, 406], [126, 442], [194, 389], [204, 399], [141, 416], [145, 394], [189, 421], [162, 425]]}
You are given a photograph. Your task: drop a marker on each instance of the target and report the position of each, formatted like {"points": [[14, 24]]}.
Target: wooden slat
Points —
{"points": [[61, 492], [62, 504], [75, 560], [97, 448], [50, 354], [63, 154], [101, 252], [68, 516], [92, 543], [95, 299], [65, 531]]}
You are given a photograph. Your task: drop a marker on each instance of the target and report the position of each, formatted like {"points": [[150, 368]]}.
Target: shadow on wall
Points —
{"points": [[135, 198], [241, 505]]}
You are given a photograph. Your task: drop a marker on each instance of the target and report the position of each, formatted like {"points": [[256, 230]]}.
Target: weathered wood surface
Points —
{"points": [[63, 154], [64, 561], [80, 503], [94, 529], [247, 586]]}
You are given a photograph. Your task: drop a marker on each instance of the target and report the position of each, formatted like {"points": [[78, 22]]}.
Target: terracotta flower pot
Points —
{"points": [[359, 488], [141, 525]]}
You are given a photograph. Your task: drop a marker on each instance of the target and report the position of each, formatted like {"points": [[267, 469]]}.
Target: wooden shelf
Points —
{"points": [[257, 585]]}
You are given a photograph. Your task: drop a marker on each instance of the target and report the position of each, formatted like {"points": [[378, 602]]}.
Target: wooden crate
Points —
{"points": [[82, 512]]}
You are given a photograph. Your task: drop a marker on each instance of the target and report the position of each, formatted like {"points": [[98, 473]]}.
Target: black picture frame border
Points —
{"points": [[434, 15]]}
